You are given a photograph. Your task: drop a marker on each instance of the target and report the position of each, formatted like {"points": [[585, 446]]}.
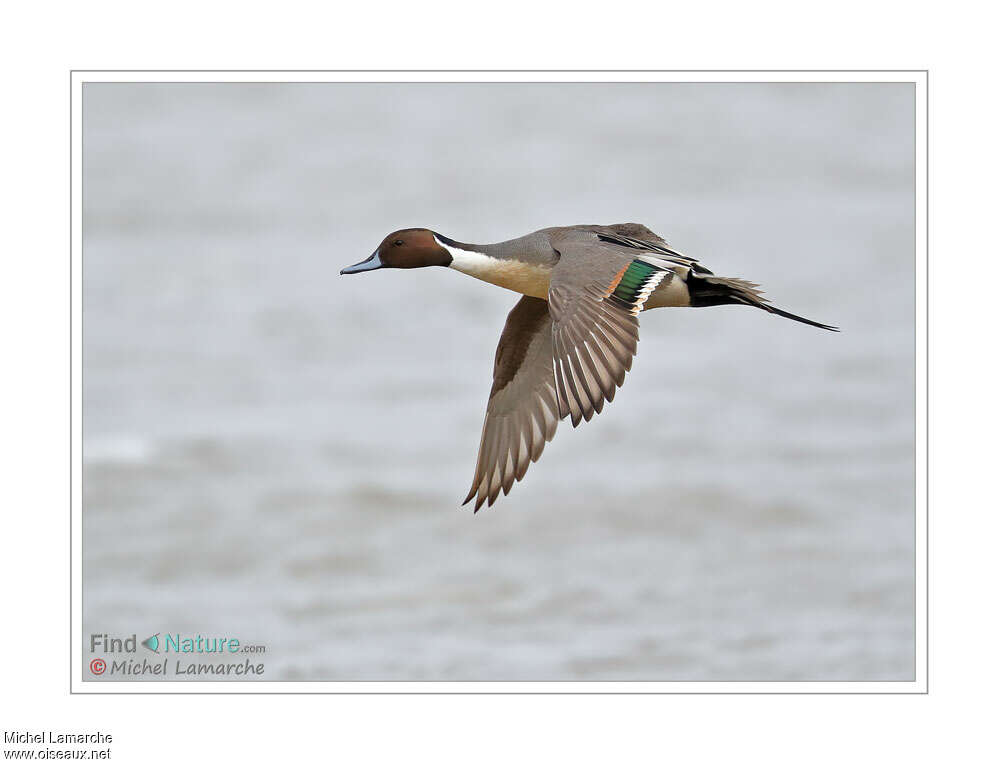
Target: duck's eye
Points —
{"points": [[397, 242]]}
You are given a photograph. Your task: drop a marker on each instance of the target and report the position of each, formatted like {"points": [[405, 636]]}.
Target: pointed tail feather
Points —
{"points": [[719, 290], [789, 315]]}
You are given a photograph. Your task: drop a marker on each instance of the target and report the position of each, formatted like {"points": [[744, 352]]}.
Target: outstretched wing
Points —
{"points": [[523, 410], [597, 290], [564, 357]]}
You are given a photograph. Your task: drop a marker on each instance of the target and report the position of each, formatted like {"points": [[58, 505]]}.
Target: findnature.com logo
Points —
{"points": [[217, 648]]}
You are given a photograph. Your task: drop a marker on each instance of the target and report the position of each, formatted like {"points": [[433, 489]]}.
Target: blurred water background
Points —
{"points": [[277, 453]]}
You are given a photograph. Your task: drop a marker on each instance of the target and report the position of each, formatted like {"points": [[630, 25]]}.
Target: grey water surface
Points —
{"points": [[278, 453]]}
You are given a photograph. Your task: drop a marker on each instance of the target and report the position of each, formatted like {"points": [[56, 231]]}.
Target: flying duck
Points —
{"points": [[570, 339]]}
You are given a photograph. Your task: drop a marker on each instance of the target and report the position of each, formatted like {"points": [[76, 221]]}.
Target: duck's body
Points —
{"points": [[570, 340], [525, 264]]}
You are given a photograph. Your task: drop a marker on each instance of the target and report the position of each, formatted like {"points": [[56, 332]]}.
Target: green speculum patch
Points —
{"points": [[634, 278]]}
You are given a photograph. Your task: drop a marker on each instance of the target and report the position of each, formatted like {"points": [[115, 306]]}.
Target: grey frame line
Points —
{"points": [[923, 692], [477, 71], [493, 82]]}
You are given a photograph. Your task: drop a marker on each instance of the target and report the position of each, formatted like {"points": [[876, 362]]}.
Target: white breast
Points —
{"points": [[526, 278]]}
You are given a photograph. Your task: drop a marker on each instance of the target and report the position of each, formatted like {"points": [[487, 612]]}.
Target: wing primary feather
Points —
{"points": [[565, 365], [564, 375], [598, 365], [565, 406], [586, 381], [510, 462]]}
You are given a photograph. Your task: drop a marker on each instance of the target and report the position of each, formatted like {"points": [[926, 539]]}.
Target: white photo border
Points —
{"points": [[78, 682]]}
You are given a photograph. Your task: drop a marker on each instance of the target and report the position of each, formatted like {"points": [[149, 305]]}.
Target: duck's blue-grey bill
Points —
{"points": [[365, 265]]}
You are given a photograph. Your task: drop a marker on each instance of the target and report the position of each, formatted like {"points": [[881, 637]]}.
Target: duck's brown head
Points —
{"points": [[406, 248]]}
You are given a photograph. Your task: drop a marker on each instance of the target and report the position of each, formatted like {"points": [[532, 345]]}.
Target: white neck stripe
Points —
{"points": [[468, 261]]}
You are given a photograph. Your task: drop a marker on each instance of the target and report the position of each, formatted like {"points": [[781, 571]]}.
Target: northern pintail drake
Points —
{"points": [[570, 339]]}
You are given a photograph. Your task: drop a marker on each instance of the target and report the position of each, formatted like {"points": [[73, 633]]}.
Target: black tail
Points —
{"points": [[708, 290]]}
